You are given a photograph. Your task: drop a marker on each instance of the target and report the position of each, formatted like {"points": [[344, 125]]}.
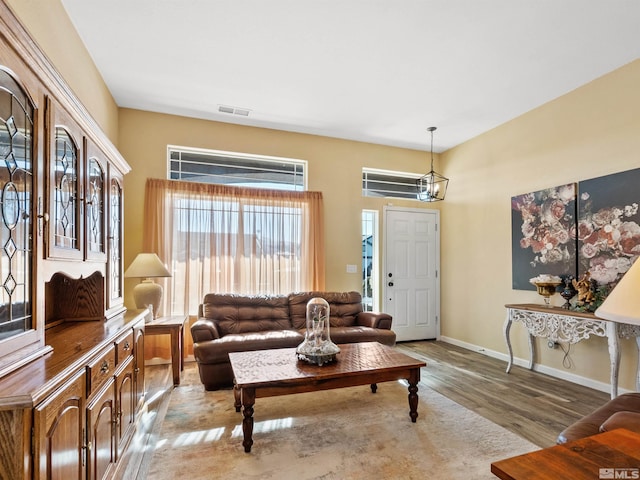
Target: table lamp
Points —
{"points": [[622, 305], [147, 292]]}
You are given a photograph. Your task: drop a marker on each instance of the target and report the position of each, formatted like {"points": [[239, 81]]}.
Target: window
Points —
{"points": [[369, 260], [384, 183], [237, 169], [217, 238]]}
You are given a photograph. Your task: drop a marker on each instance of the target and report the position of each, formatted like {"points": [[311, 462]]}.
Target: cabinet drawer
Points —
{"points": [[101, 369], [124, 347]]}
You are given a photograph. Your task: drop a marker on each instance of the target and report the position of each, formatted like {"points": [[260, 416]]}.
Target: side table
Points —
{"points": [[561, 325], [173, 326]]}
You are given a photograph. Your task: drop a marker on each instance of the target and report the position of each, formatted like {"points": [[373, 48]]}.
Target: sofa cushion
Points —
{"points": [[244, 342], [623, 419], [361, 334], [344, 307], [247, 313]]}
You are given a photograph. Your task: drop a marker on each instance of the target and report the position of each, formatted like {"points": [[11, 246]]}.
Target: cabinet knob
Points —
{"points": [[127, 346], [104, 368], [116, 420]]}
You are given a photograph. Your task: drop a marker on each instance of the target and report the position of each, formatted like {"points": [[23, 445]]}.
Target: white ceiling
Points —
{"points": [[378, 71]]}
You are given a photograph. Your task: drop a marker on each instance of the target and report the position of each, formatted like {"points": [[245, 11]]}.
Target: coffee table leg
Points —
{"points": [[413, 380], [248, 399]]}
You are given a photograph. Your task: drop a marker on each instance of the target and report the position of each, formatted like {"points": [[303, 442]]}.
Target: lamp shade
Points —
{"points": [[146, 265], [623, 303]]}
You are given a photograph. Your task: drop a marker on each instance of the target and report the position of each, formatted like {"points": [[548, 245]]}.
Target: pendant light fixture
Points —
{"points": [[432, 187]]}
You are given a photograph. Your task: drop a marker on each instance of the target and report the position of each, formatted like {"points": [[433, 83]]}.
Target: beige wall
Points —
{"points": [[590, 132], [50, 26], [334, 168]]}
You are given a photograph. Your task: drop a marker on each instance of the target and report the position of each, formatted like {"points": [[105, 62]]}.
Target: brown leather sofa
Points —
{"points": [[620, 412], [234, 323]]}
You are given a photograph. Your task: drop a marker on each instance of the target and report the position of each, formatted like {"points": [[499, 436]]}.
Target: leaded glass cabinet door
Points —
{"points": [[115, 279], [18, 337], [16, 196], [95, 186], [66, 191], [65, 222]]}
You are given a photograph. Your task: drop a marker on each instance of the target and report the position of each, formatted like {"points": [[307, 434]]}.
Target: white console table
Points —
{"points": [[565, 326]]}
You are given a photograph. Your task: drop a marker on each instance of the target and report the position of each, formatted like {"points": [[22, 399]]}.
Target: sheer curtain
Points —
{"points": [[217, 238]]}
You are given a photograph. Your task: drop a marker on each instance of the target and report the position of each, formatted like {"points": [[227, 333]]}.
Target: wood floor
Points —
{"points": [[533, 405]]}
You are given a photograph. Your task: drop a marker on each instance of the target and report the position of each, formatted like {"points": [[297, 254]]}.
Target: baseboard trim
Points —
{"points": [[521, 362]]}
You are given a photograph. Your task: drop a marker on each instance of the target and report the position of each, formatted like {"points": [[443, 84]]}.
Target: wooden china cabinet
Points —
{"points": [[71, 356]]}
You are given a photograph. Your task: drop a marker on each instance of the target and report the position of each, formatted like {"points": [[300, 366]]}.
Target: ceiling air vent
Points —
{"points": [[243, 112]]}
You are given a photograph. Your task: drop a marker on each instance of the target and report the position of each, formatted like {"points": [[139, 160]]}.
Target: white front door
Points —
{"points": [[411, 281]]}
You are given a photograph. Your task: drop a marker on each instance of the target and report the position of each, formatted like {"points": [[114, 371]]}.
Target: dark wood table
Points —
{"points": [[614, 454], [266, 373], [173, 326]]}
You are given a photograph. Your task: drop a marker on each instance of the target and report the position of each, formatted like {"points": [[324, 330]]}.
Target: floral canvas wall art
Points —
{"points": [[608, 229], [543, 227], [592, 226]]}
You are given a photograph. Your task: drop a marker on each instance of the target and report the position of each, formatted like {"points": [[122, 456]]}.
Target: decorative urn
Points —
{"points": [[546, 286]]}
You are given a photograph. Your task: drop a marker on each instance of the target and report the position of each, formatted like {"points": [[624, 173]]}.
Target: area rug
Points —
{"points": [[348, 433]]}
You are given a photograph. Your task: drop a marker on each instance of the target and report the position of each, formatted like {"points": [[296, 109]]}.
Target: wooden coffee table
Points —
{"points": [[614, 454], [267, 373]]}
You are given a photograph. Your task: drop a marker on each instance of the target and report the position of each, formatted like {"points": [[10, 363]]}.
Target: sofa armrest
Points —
{"points": [[374, 320], [628, 420], [203, 330]]}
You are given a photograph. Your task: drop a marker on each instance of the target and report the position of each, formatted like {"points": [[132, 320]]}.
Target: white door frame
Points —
{"points": [[383, 272]]}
